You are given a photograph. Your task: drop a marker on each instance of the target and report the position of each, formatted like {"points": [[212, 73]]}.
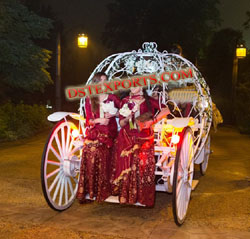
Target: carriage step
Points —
{"points": [[194, 184]]}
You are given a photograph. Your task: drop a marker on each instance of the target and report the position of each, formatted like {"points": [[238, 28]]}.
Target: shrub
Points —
{"points": [[20, 121]]}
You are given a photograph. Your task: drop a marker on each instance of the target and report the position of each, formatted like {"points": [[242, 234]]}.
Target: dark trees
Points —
{"points": [[219, 63], [186, 22], [23, 63]]}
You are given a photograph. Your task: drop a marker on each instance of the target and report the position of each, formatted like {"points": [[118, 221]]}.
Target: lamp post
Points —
{"points": [[82, 43], [239, 54], [58, 72]]}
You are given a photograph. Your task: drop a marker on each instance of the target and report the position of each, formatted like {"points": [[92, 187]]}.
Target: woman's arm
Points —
{"points": [[88, 112], [102, 121], [125, 121], [164, 112]]}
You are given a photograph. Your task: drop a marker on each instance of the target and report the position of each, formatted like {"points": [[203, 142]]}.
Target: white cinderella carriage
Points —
{"points": [[181, 140]]}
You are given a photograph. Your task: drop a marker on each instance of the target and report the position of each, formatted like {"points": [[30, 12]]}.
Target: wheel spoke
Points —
{"points": [[61, 191], [53, 173], [55, 153], [179, 201], [55, 181], [75, 149], [76, 181], [179, 186], [67, 141], [187, 153], [185, 201], [63, 141], [59, 145], [70, 146], [53, 162], [183, 154], [191, 152], [57, 188], [180, 204]]}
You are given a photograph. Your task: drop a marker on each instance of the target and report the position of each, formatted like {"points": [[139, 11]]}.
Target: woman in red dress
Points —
{"points": [[101, 131], [133, 175]]}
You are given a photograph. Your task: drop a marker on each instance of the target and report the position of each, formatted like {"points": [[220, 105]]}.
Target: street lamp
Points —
{"points": [[239, 54], [241, 51], [82, 41]]}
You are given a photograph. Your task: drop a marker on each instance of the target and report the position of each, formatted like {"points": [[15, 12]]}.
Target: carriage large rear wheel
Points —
{"points": [[60, 166], [183, 175]]}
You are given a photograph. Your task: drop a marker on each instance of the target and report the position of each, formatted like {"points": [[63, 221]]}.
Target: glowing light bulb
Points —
{"points": [[175, 139], [75, 133]]}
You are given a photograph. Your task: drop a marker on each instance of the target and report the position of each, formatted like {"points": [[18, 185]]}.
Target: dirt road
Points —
{"points": [[219, 208]]}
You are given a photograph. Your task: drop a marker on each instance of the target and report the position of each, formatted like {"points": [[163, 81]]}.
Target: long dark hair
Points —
{"points": [[146, 96], [95, 99]]}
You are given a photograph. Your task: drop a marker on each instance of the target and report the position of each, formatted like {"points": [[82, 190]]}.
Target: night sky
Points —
{"points": [[233, 14], [93, 14]]}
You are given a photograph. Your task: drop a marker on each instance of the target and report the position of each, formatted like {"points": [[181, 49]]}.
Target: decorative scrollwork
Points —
{"points": [[149, 60]]}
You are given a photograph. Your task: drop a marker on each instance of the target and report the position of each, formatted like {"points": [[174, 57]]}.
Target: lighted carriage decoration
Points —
{"points": [[180, 140]]}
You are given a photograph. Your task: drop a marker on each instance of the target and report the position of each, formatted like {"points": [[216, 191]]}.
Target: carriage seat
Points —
{"points": [[183, 95], [185, 98], [177, 123]]}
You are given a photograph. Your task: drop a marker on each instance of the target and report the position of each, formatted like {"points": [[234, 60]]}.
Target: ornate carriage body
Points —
{"points": [[180, 140]]}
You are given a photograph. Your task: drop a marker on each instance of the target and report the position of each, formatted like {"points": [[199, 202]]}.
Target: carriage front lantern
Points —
{"points": [[75, 133], [82, 41], [175, 139], [241, 51]]}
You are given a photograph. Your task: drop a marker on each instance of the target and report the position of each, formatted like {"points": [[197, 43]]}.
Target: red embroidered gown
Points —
{"points": [[95, 164], [134, 172]]}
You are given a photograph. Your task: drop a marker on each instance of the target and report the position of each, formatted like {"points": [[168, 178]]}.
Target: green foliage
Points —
{"points": [[242, 107], [20, 121], [188, 23], [23, 63]]}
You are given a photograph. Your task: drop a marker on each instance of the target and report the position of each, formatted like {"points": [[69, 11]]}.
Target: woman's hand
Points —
{"points": [[124, 121], [164, 112], [144, 125], [91, 122], [102, 121], [108, 115]]}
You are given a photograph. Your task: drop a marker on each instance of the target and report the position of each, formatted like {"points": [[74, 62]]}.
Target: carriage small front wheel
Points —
{"points": [[183, 176], [60, 166]]}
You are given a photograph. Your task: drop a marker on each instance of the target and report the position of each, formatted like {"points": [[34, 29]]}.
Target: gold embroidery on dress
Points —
{"points": [[87, 141], [127, 152], [117, 180]]}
